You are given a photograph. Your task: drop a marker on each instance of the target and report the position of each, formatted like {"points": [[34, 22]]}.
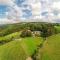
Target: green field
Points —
{"points": [[57, 28], [51, 48], [39, 41], [19, 49]]}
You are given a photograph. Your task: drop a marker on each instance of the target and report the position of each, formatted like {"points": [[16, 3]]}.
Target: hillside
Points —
{"points": [[50, 49], [24, 41], [19, 49]]}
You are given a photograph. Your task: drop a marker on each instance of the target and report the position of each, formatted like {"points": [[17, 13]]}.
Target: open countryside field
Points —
{"points": [[51, 48], [29, 29], [30, 41], [19, 49]]}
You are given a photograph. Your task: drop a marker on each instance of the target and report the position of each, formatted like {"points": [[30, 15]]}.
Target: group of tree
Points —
{"points": [[46, 29]]}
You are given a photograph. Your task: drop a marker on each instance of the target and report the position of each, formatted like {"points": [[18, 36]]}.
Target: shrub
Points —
{"points": [[26, 33]]}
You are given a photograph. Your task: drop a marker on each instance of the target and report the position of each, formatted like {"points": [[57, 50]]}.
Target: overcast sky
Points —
{"points": [[15, 10]]}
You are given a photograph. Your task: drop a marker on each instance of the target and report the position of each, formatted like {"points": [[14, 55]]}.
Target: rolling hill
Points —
{"points": [[19, 49], [50, 49]]}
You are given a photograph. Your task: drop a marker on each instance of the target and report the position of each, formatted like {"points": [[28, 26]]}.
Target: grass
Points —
{"points": [[31, 44], [57, 28], [12, 51], [10, 37], [19, 49], [51, 48]]}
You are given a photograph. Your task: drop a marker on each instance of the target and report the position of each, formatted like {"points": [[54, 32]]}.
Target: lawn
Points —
{"points": [[57, 28], [51, 48], [10, 37], [19, 49], [31, 44]]}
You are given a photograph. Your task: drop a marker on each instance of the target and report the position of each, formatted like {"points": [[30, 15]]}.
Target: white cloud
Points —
{"points": [[56, 5], [37, 8], [7, 21]]}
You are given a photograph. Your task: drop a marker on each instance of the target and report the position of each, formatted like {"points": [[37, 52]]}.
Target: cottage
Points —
{"points": [[36, 33]]}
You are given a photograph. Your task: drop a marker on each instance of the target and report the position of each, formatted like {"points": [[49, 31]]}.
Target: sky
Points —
{"points": [[12, 11]]}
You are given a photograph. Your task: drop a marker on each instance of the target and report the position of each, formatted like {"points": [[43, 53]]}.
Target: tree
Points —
{"points": [[47, 30], [26, 33]]}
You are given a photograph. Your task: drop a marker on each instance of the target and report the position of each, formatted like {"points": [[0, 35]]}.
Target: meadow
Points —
{"points": [[51, 48], [39, 41]]}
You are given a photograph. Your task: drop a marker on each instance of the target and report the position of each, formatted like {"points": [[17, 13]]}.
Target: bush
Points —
{"points": [[26, 33]]}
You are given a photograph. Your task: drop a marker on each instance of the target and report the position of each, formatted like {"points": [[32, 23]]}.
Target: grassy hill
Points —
{"points": [[12, 51], [51, 49], [30, 44], [9, 37], [19, 49], [57, 28], [15, 47]]}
